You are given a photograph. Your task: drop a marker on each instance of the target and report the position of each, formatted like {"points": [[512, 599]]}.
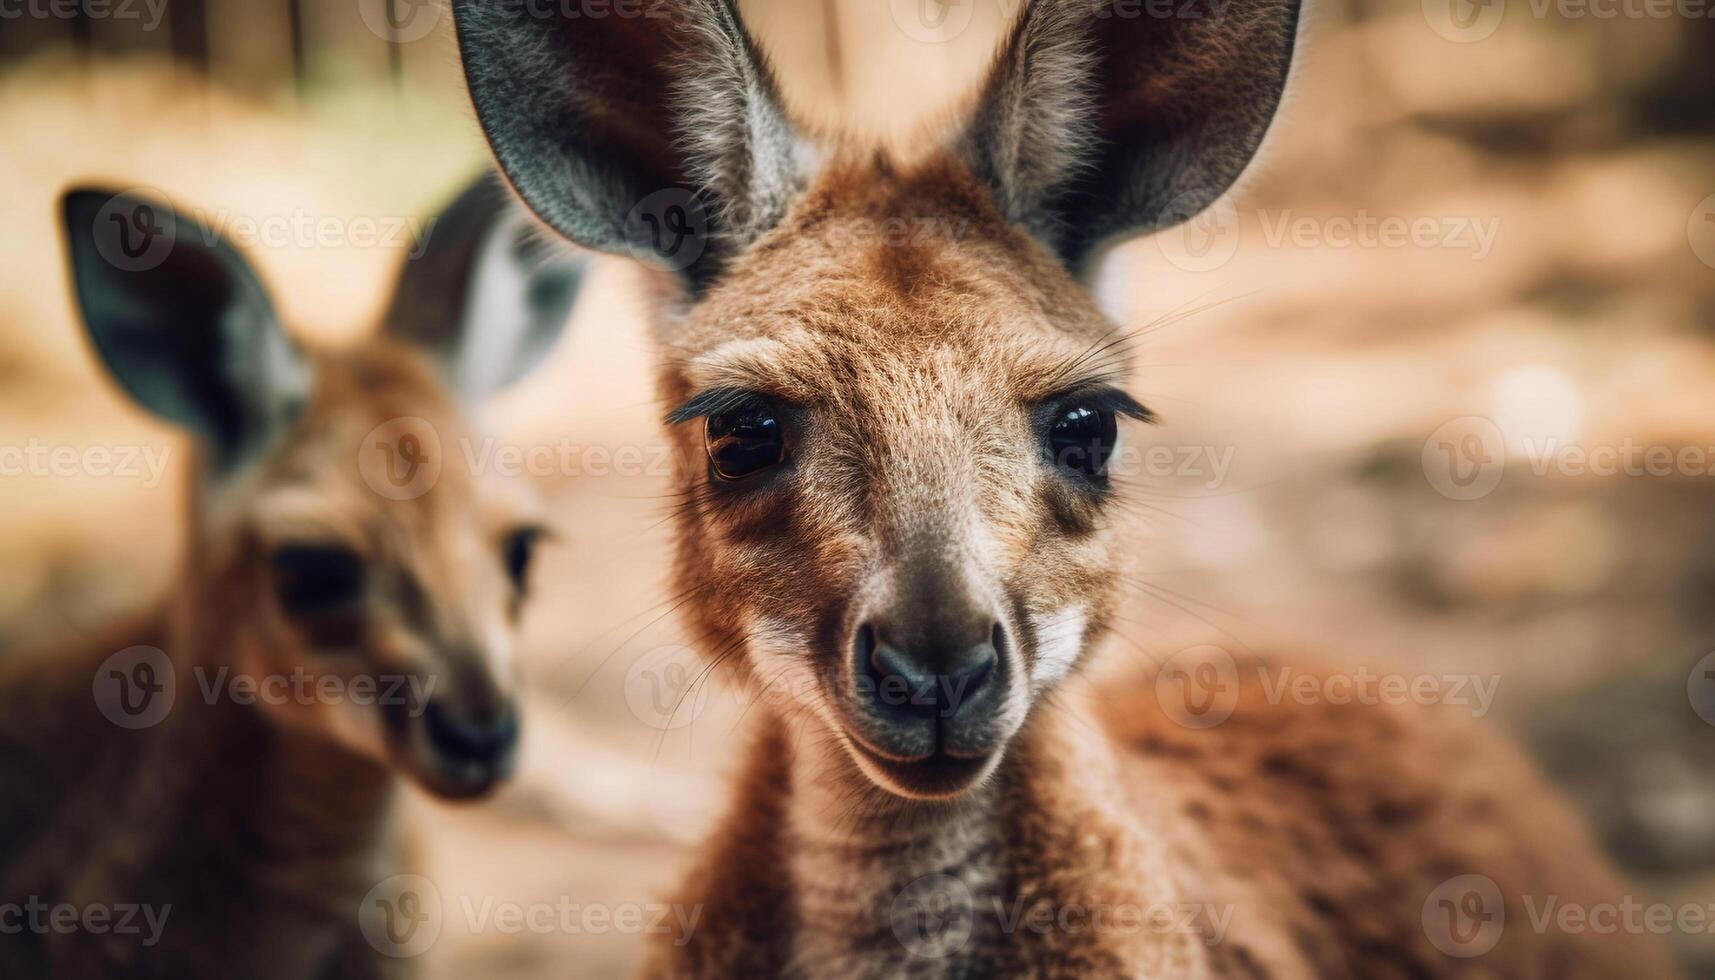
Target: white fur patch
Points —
{"points": [[1059, 640]]}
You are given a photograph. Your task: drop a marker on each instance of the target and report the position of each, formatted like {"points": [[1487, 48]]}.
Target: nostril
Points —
{"points": [[863, 649], [462, 738]]}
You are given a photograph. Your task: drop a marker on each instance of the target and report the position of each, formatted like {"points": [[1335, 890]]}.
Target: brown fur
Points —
{"points": [[262, 829], [1323, 828]]}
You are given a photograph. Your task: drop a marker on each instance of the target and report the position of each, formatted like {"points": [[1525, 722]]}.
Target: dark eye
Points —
{"points": [[1082, 439], [518, 552], [745, 440], [317, 580]]}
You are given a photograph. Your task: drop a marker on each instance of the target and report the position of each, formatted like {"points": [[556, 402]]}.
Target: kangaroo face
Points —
{"points": [[898, 401], [388, 578], [357, 577], [899, 471]]}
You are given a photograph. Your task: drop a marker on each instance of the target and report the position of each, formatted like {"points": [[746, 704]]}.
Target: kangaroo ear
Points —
{"points": [[182, 323], [659, 135], [1103, 119], [484, 292]]}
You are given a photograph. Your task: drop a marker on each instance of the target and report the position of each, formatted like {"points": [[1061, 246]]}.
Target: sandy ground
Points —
{"points": [[1307, 376]]}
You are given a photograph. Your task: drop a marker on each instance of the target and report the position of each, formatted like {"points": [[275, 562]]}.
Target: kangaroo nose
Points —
{"points": [[934, 682], [461, 737]]}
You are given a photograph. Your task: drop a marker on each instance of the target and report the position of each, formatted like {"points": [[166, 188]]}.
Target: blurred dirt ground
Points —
{"points": [[1321, 370]]}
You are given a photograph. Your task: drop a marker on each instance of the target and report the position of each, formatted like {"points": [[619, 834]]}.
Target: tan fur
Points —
{"points": [[262, 827], [1324, 829]]}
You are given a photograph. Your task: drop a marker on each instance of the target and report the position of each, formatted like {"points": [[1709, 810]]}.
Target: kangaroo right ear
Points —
{"points": [[181, 322], [1101, 120], [658, 133], [485, 291]]}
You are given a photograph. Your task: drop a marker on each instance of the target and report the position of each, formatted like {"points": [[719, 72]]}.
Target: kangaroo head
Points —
{"points": [[896, 399], [366, 584]]}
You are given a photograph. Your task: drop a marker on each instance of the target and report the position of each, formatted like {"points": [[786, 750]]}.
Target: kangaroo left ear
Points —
{"points": [[484, 292], [182, 322]]}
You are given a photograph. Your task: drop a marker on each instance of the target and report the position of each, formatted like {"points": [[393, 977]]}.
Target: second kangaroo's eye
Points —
{"points": [[317, 580], [519, 552], [1082, 439], [745, 440]]}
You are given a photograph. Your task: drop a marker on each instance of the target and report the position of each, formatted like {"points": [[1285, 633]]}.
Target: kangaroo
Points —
{"points": [[896, 406], [228, 793]]}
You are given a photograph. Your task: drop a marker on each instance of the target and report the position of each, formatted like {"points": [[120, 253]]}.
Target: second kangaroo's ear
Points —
{"points": [[1103, 119], [659, 134], [484, 291], [181, 322]]}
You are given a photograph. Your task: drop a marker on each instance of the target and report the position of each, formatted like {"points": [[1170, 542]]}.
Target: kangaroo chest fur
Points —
{"points": [[249, 847]]}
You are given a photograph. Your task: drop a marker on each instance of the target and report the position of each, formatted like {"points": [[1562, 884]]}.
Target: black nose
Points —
{"points": [[952, 681], [466, 738]]}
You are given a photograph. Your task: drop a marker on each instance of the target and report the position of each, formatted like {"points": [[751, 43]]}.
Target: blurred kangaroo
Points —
{"points": [[336, 624], [897, 404]]}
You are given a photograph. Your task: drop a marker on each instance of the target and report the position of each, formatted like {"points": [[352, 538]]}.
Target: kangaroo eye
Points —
{"points": [[1082, 439], [317, 580], [745, 440], [519, 553]]}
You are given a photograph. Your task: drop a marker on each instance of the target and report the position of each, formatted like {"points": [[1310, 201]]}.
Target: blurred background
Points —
{"points": [[1438, 384]]}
